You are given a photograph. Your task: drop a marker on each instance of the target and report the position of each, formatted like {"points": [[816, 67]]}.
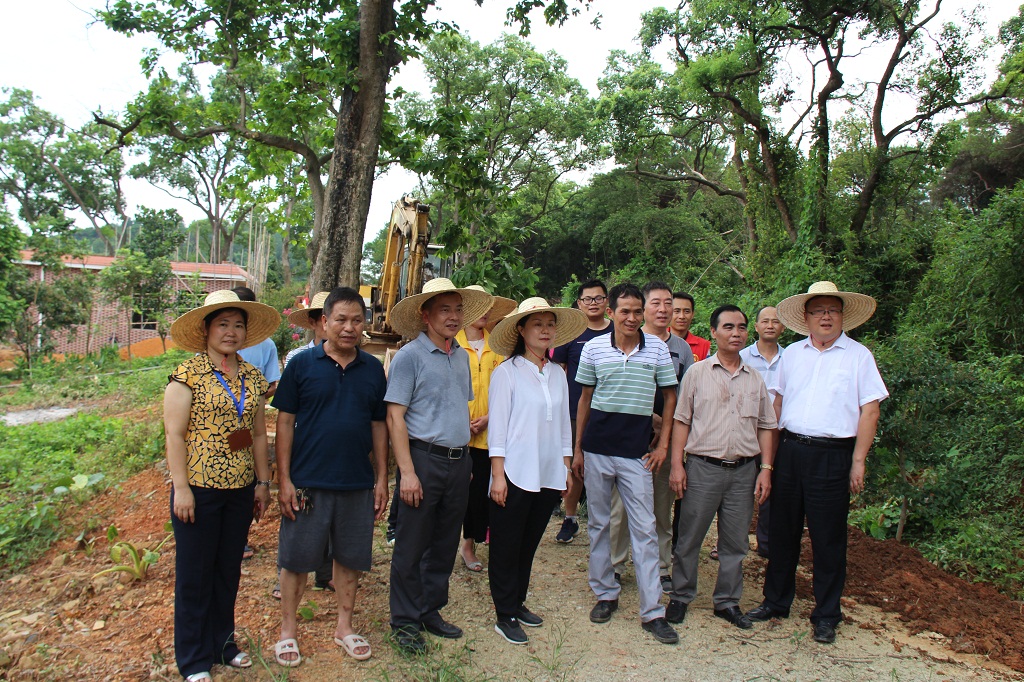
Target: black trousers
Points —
{"points": [[811, 481], [474, 527], [207, 566], [427, 539], [516, 532]]}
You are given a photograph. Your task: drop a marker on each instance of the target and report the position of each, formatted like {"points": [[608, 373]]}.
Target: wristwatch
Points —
{"points": [[266, 483], [768, 467]]}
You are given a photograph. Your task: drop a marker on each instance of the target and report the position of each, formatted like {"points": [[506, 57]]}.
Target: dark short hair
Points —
{"points": [[655, 285], [626, 290], [209, 317], [245, 294], [683, 294], [591, 284], [842, 303], [727, 308], [343, 295]]}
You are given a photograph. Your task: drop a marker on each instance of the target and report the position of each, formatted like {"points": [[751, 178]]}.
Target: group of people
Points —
{"points": [[496, 412]]}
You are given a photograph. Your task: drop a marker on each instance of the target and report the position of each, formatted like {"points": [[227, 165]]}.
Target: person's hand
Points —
{"points": [[499, 491], [857, 477], [262, 498], [478, 425], [677, 481], [763, 487], [185, 504], [577, 463], [410, 490], [287, 500], [655, 458], [380, 500]]}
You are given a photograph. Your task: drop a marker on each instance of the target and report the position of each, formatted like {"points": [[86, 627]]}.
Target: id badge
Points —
{"points": [[240, 440]]}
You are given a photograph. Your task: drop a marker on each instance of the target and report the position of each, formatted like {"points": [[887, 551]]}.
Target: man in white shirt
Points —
{"points": [[827, 395], [764, 355]]}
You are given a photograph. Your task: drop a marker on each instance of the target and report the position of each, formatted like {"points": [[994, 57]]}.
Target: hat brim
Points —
{"points": [[569, 322], [407, 320], [300, 317], [857, 309], [499, 309], [188, 331]]}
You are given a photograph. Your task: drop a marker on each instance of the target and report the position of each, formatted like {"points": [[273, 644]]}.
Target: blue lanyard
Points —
{"points": [[239, 405]]}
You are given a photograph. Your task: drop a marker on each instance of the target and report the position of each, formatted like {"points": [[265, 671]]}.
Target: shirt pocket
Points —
{"points": [[750, 404], [839, 384]]}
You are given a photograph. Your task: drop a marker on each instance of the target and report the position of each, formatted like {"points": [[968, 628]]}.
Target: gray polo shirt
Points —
{"points": [[436, 388]]}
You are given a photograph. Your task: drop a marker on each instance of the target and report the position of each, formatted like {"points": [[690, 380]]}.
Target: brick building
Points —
{"points": [[108, 322]]}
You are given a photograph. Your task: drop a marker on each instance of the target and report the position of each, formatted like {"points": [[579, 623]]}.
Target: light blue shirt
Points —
{"points": [[263, 356], [769, 370]]}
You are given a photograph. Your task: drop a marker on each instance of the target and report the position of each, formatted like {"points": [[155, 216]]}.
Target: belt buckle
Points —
{"points": [[803, 440], [730, 463], [452, 450]]}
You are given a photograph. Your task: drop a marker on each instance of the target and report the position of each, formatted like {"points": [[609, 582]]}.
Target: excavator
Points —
{"points": [[409, 261]]}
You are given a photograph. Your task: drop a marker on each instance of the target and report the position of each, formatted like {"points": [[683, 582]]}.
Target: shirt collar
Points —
{"points": [[640, 347], [842, 342], [431, 346], [320, 353], [716, 361]]}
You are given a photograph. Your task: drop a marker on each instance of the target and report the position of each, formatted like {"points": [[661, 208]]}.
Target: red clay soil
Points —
{"points": [[976, 618], [147, 348]]}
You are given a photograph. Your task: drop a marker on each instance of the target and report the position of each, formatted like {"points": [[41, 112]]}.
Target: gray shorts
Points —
{"points": [[344, 518]]}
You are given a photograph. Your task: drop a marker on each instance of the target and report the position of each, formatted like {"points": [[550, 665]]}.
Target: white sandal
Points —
{"points": [[242, 660], [198, 677]]}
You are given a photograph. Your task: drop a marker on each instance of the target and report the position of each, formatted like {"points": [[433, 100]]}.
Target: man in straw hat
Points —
{"points": [[330, 423], [429, 390], [620, 374], [310, 319], [827, 395]]}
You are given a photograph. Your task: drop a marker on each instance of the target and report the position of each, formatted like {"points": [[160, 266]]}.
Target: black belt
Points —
{"points": [[724, 463], [439, 450], [819, 441]]}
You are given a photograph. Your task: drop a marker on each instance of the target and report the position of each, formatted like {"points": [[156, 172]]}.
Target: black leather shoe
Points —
{"points": [[824, 633], [734, 616], [675, 612], [529, 618], [409, 640], [662, 631], [439, 627], [602, 611], [765, 612]]}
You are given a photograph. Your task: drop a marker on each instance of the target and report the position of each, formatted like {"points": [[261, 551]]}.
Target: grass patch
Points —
{"points": [[46, 467]]}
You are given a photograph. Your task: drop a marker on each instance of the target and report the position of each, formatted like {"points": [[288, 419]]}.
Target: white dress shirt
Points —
{"points": [[823, 390], [528, 423]]}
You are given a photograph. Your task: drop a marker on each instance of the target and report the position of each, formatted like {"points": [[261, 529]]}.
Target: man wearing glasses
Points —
{"points": [[827, 394], [593, 301]]}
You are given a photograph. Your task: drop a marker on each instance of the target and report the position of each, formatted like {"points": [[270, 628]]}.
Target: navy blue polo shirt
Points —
{"points": [[333, 408]]}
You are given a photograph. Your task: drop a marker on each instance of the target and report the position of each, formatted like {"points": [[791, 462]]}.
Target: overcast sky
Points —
{"points": [[76, 66]]}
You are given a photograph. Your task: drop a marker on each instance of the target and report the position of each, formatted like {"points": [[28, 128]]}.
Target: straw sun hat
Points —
{"points": [[189, 332], [857, 308], [406, 317], [570, 324], [500, 308], [300, 317]]}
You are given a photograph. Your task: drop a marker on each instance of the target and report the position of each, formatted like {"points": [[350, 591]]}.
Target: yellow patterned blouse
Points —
{"points": [[211, 463]]}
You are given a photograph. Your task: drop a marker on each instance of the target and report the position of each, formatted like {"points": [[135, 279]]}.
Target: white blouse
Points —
{"points": [[528, 423]]}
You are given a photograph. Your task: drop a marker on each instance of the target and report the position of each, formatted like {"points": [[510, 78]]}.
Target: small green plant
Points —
{"points": [[308, 610], [137, 559]]}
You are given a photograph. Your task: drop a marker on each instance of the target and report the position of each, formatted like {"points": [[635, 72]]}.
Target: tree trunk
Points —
{"points": [[356, 146], [286, 263]]}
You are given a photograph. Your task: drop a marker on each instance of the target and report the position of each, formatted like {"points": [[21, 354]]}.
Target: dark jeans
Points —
{"points": [[427, 539], [764, 515], [207, 566], [809, 480], [516, 532], [474, 527]]}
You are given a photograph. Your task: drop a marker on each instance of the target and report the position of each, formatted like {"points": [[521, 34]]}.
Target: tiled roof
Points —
{"points": [[210, 270]]}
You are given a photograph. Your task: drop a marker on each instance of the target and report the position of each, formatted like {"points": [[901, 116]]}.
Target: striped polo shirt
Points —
{"points": [[624, 390]]}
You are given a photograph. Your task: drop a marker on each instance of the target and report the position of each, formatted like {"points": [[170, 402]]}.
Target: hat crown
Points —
{"points": [[823, 287], [533, 303], [319, 299], [222, 296], [474, 287], [439, 284]]}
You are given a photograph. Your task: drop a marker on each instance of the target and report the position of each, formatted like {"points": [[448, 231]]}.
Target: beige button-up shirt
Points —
{"points": [[724, 410]]}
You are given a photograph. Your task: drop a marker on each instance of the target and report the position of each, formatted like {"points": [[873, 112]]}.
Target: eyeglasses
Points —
{"points": [[588, 300], [832, 312]]}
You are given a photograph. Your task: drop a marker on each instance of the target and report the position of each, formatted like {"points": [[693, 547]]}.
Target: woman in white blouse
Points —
{"points": [[530, 450]]}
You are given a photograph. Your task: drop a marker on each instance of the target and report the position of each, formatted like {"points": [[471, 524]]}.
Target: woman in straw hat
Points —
{"points": [[217, 458], [482, 361], [530, 450]]}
